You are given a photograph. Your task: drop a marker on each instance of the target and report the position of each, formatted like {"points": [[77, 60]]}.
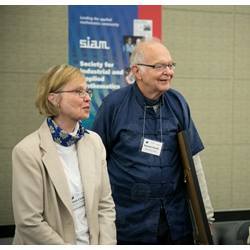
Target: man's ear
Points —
{"points": [[52, 97], [136, 71]]}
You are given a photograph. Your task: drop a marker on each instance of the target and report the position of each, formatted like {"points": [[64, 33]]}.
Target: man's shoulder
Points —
{"points": [[176, 98], [175, 94], [117, 96]]}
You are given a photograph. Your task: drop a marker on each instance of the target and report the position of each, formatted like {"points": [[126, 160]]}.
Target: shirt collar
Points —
{"points": [[142, 100]]}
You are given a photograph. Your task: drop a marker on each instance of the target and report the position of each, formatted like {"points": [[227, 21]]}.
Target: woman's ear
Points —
{"points": [[52, 97]]}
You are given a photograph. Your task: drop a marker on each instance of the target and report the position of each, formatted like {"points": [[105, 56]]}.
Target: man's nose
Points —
{"points": [[167, 70]]}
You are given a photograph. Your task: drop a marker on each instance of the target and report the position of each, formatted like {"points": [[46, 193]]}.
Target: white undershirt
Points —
{"points": [[69, 159]]}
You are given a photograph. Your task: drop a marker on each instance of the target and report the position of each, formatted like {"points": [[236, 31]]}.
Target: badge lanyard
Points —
{"points": [[151, 146]]}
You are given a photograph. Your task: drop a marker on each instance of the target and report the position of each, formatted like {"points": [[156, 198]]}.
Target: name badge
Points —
{"points": [[151, 147]]}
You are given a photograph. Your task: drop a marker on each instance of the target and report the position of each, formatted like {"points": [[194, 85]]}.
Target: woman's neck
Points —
{"points": [[65, 124]]}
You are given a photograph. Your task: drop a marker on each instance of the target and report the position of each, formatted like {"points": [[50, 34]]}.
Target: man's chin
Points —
{"points": [[165, 88]]}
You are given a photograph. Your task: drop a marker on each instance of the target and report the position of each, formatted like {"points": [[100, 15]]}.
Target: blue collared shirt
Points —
{"points": [[141, 182]]}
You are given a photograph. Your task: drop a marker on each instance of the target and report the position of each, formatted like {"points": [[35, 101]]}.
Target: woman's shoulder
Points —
{"points": [[93, 138], [91, 135], [28, 142]]}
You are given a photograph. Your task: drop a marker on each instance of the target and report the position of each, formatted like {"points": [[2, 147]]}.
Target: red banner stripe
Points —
{"points": [[152, 12]]}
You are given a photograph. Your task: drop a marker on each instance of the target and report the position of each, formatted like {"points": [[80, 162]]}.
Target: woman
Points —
{"points": [[61, 191]]}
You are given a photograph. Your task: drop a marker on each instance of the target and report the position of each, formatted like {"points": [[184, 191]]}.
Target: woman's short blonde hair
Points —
{"points": [[53, 80]]}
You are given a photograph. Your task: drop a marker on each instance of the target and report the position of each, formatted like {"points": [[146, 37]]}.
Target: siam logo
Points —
{"points": [[93, 44]]}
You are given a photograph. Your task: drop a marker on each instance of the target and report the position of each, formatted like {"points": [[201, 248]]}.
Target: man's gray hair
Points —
{"points": [[138, 52]]}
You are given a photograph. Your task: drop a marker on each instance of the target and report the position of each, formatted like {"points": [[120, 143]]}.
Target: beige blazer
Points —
{"points": [[41, 197]]}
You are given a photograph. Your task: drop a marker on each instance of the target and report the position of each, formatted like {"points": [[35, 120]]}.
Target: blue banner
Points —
{"points": [[101, 39]]}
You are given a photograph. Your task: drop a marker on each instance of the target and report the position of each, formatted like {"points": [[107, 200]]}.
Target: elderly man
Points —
{"points": [[138, 125]]}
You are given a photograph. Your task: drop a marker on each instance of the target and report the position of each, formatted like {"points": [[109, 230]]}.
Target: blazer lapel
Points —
{"points": [[54, 167]]}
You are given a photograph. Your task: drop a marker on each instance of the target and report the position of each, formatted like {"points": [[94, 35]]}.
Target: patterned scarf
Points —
{"points": [[62, 137]]}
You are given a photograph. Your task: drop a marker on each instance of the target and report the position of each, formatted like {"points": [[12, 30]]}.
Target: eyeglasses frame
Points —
{"points": [[80, 92], [170, 66]]}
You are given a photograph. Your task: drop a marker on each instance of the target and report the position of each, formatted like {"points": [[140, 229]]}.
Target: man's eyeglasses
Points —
{"points": [[80, 92], [159, 66]]}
